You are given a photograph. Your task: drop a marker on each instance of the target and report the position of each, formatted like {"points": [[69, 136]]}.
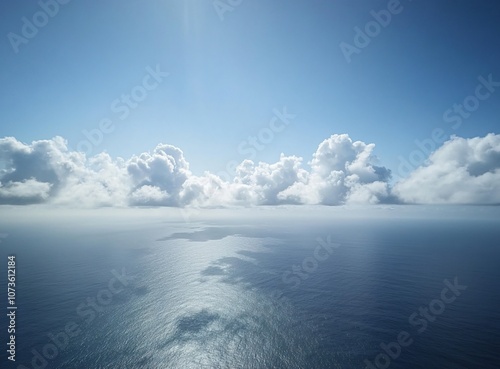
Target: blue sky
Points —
{"points": [[226, 76]]}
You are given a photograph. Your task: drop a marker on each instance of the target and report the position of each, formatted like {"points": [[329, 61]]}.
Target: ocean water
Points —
{"points": [[290, 287]]}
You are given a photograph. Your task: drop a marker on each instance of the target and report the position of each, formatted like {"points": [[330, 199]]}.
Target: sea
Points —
{"points": [[251, 288]]}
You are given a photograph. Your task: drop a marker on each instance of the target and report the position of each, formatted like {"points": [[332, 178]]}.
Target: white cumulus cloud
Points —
{"points": [[25, 191], [342, 171], [465, 171], [462, 171], [158, 177]]}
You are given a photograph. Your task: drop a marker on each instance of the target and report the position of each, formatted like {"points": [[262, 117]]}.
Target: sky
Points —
{"points": [[232, 80]]}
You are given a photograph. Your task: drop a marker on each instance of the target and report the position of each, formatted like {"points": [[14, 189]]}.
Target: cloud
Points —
{"points": [[24, 192], [158, 178], [208, 190], [341, 171], [96, 181], [263, 183], [462, 171], [32, 173], [46, 171]]}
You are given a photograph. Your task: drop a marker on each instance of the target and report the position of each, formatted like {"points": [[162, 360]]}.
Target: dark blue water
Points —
{"points": [[275, 288]]}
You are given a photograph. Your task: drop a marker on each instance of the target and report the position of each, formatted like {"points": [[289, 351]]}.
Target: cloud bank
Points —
{"points": [[462, 171], [341, 171]]}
